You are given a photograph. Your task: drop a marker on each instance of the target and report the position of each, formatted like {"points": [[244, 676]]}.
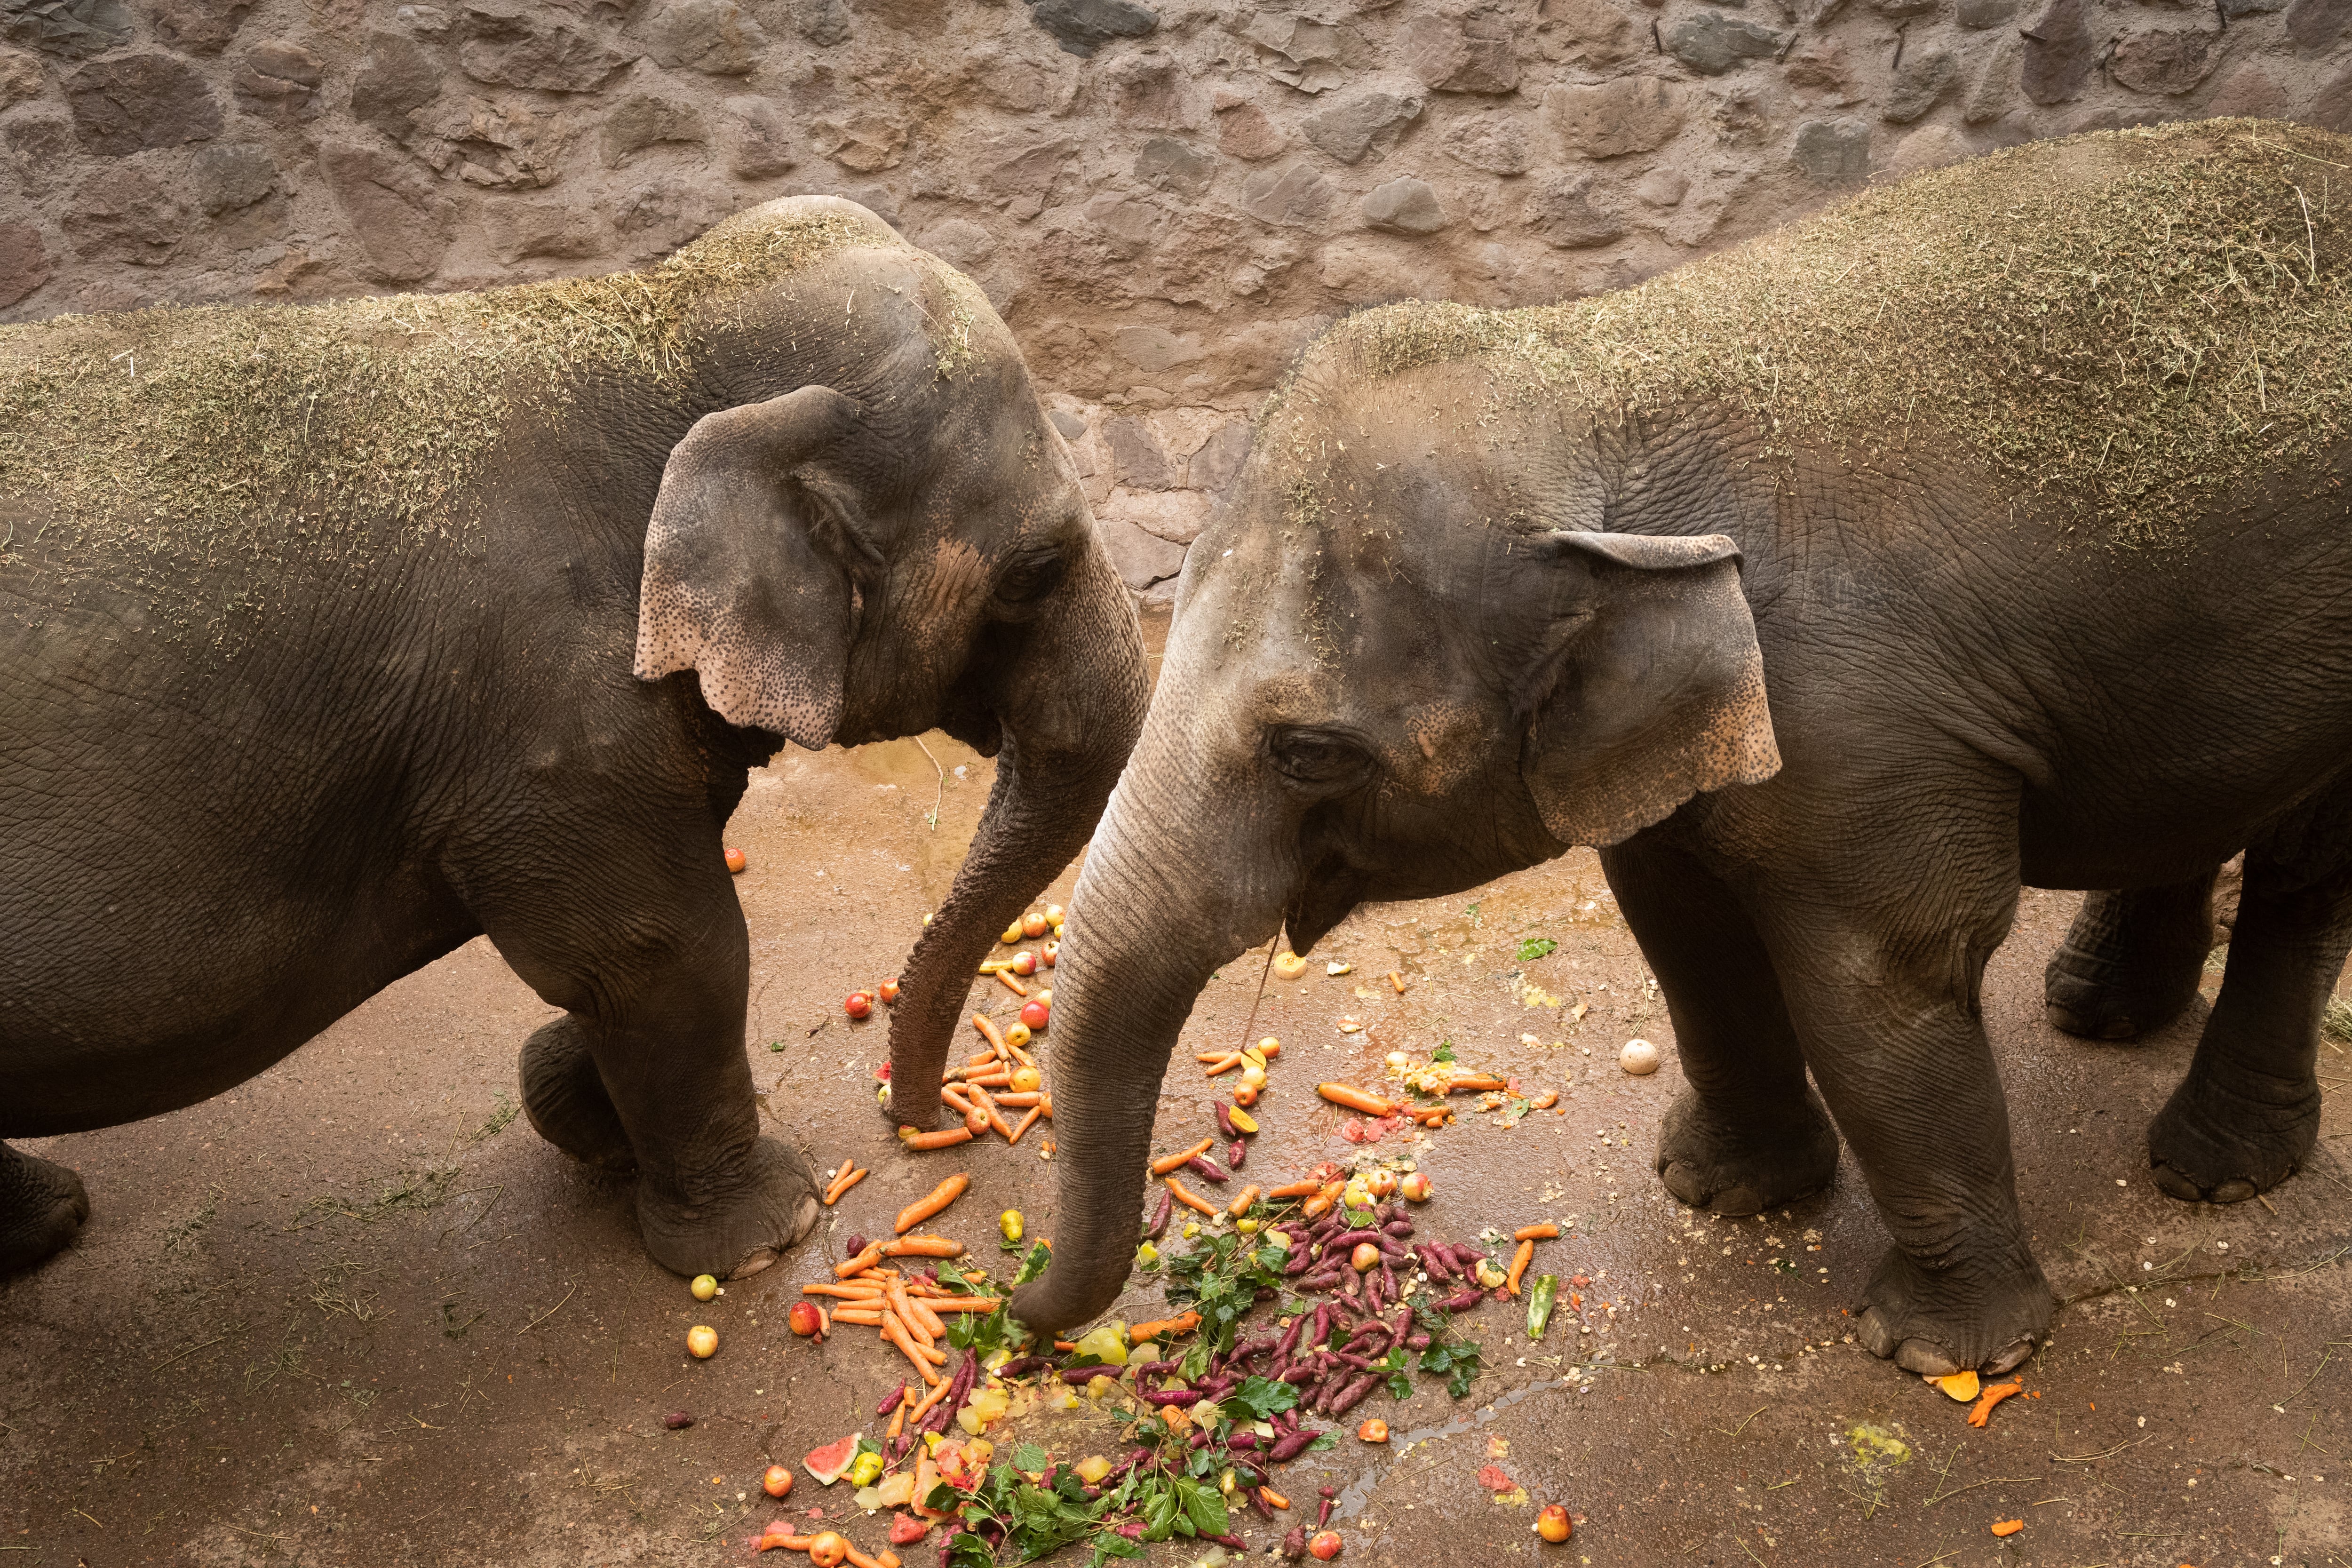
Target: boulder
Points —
{"points": [[1473, 55], [278, 81], [1295, 198], [1833, 151], [716, 37], [1925, 76], [126, 103], [1632, 114], [400, 221], [1712, 43], [1404, 206], [1083, 27], [25, 262], [1496, 143], [226, 177], [1360, 123]]}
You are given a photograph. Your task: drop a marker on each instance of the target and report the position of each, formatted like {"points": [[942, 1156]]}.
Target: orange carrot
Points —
{"points": [[1519, 1262], [1028, 1121], [1320, 1204], [1429, 1118], [842, 1183], [895, 1333], [980, 1098], [1355, 1099], [1272, 1499], [1396, 978], [1047, 1105], [922, 1247], [789, 1542], [904, 1310], [987, 1028], [1164, 1327], [984, 1058], [962, 1303], [1020, 1099], [1023, 1057], [1993, 1394], [1185, 1197], [2009, 1527], [1011, 985], [939, 1197], [1305, 1189], [1475, 1083], [932, 1323], [945, 1138], [859, 1560], [1166, 1163], [1545, 1100], [1211, 1055], [859, 1264], [953, 1094], [1536, 1233], [867, 1317], [1241, 1204], [897, 1423], [857, 1291], [923, 1407], [1224, 1064]]}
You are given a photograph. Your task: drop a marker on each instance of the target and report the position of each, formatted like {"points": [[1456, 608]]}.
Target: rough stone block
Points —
{"points": [[74, 30], [1712, 43], [1248, 132], [1083, 27], [1218, 463], [1071, 427], [395, 76], [1587, 32], [1454, 57], [520, 229], [1929, 147], [550, 59], [1894, 10], [1925, 76], [865, 141], [42, 151], [25, 262], [1168, 164], [1833, 151], [124, 212], [1979, 15], [716, 37], [961, 242], [757, 144], [197, 27], [1994, 91], [128, 102], [1176, 516], [1362, 122], [2331, 108], [824, 23], [1140, 559], [226, 178], [1632, 114], [2317, 24], [1496, 143], [1404, 206], [1295, 198], [1573, 212], [2250, 90], [1155, 350], [640, 121], [278, 81], [22, 78], [2167, 61], [1138, 461], [2060, 52], [398, 219]]}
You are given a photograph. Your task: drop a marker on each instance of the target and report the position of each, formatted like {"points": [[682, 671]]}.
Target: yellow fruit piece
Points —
{"points": [[866, 1470], [1244, 1120], [1011, 1223], [1093, 1469], [705, 1286], [1960, 1385], [1012, 937], [1288, 966], [1106, 1343]]}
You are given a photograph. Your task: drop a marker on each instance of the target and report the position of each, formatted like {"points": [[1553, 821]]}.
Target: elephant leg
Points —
{"points": [[1746, 1134], [2247, 1113], [2132, 961], [565, 1097], [41, 1206]]}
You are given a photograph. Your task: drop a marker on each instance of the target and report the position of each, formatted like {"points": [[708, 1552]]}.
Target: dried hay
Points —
{"points": [[2121, 325]]}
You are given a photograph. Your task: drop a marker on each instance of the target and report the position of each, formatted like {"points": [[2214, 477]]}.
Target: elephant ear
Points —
{"points": [[1653, 690], [747, 578]]}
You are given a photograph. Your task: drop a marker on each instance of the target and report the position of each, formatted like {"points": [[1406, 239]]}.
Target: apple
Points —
{"points": [[1375, 1430], [1035, 1012], [702, 1342], [735, 860], [1017, 1035], [1415, 1188], [857, 1005], [1323, 1548], [1366, 1258], [888, 992], [1553, 1523], [777, 1481], [1034, 925], [1050, 952], [1024, 962], [1380, 1184], [804, 1319], [705, 1286]]}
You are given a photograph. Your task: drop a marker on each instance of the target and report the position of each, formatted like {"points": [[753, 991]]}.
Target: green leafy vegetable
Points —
{"points": [[1535, 947]]}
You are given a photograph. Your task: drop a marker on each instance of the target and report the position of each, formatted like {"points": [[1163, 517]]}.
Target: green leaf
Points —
{"points": [[1437, 1360], [1206, 1509], [1029, 1457], [1195, 1362], [1535, 947], [1323, 1440], [969, 1551], [1257, 1398], [1444, 1053], [1400, 1387], [1360, 1219], [1458, 1384]]}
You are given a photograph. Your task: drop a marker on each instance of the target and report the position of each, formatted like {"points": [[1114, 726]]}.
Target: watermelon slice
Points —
{"points": [[830, 1463]]}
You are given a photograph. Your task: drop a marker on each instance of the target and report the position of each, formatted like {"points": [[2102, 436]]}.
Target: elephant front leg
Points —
{"points": [[42, 1206], [565, 1097], [1748, 1132], [2132, 961]]}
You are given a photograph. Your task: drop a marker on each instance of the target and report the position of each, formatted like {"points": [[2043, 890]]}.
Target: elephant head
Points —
{"points": [[879, 532], [1409, 656]]}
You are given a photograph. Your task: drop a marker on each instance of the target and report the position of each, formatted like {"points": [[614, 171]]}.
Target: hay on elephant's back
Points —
{"points": [[2122, 325], [206, 429]]}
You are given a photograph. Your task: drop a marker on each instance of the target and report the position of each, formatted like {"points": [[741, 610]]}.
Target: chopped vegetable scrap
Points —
{"points": [[1993, 1394], [1959, 1385], [2009, 1527]]}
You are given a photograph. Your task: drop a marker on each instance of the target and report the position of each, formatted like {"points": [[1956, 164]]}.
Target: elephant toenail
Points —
{"points": [[2175, 1185], [2235, 1191]]}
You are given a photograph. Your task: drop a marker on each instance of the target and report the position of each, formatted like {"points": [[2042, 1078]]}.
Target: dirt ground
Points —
{"points": [[354, 1311]]}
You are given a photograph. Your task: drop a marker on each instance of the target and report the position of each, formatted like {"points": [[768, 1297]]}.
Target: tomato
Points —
{"points": [[857, 1005], [1034, 1014]]}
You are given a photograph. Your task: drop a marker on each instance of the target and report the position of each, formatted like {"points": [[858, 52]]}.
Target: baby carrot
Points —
{"points": [[1161, 1167], [842, 1183], [1028, 1121], [1224, 1064], [1396, 979], [859, 1264], [946, 1137], [1199, 1205], [1272, 1499], [1241, 1204], [1165, 1328], [1305, 1189], [923, 1407], [939, 1197], [1536, 1233], [1519, 1262], [1355, 1099], [922, 1247], [897, 1423]]}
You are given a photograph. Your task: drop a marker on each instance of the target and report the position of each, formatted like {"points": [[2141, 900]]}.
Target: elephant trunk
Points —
{"points": [[1070, 708], [1168, 894]]}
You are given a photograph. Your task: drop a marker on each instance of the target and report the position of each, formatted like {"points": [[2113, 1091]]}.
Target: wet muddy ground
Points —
{"points": [[354, 1311]]}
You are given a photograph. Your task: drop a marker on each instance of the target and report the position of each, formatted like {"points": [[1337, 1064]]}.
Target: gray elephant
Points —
{"points": [[1990, 529], [331, 638]]}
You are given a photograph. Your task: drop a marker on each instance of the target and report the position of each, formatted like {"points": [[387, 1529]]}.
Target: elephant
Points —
{"points": [[336, 636], [1832, 587]]}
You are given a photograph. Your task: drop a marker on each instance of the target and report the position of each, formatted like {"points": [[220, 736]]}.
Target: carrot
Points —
{"points": [[922, 1247], [1305, 1189], [945, 1138], [1164, 1327], [1475, 1083], [1519, 1262], [1536, 1233], [1211, 1055], [939, 1197], [1002, 1078], [895, 1333], [1161, 1166], [1200, 1205], [842, 1183], [932, 1323], [987, 1028], [1272, 1499], [897, 1423], [865, 1317], [1355, 1100], [1429, 1118], [922, 1408], [1020, 1099], [1023, 1057], [1028, 1121], [1011, 985], [1224, 1064], [987, 1106], [953, 1094], [1993, 1394], [859, 1560], [859, 1264], [1320, 1204], [854, 1293], [1046, 1104], [1241, 1204], [962, 1303], [982, 1058], [2009, 1527], [1396, 978], [904, 1310], [1545, 1100]]}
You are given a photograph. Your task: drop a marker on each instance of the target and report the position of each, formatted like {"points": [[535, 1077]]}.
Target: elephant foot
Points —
{"points": [[42, 1206], [2090, 1010], [1939, 1322], [2214, 1145], [564, 1097], [2131, 964], [759, 1214], [1764, 1161]]}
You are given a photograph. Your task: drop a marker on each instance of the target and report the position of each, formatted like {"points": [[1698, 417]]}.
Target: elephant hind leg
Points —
{"points": [[2132, 961], [42, 1206], [565, 1097]]}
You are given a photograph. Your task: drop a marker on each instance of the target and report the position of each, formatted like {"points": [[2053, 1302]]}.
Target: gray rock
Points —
{"points": [[1355, 125], [42, 150], [2317, 24], [2060, 52], [716, 37], [1295, 197], [226, 178], [2167, 60], [127, 102], [1632, 114], [1496, 143], [25, 262], [124, 212], [1994, 91], [75, 29], [397, 75], [1894, 10], [759, 145], [519, 230], [197, 27], [1404, 206], [640, 121], [1979, 15], [1218, 463], [961, 241], [22, 78], [550, 59], [1563, 210], [2248, 91], [1083, 27], [400, 221], [1139, 559], [1168, 164], [1071, 427], [1926, 75], [2331, 108], [1152, 350], [2233, 9], [824, 23], [1662, 188], [1471, 56], [1833, 151], [278, 81], [1138, 461], [1712, 43]]}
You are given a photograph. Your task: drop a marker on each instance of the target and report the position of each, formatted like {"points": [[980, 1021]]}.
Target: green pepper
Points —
{"points": [[1539, 1302]]}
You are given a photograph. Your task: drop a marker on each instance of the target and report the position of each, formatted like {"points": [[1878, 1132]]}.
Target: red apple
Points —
{"points": [[777, 1481], [1553, 1523], [1034, 925], [888, 992], [1034, 1014], [805, 1320], [857, 1005], [1049, 952], [1324, 1547], [735, 860]]}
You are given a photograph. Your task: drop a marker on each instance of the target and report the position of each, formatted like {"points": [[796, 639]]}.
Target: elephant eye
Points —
{"points": [[1318, 758], [1029, 577]]}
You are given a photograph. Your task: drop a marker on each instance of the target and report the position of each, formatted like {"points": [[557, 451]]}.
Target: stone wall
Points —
{"points": [[1164, 197]]}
